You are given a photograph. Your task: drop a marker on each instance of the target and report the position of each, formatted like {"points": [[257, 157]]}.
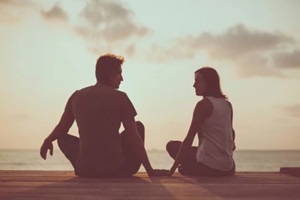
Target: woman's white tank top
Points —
{"points": [[216, 147]]}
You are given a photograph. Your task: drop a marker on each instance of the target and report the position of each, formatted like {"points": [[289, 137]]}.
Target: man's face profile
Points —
{"points": [[115, 79]]}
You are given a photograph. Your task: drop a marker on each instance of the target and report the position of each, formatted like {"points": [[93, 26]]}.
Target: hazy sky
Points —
{"points": [[49, 49]]}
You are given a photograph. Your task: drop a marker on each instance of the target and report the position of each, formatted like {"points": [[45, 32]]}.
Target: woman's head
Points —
{"points": [[207, 83]]}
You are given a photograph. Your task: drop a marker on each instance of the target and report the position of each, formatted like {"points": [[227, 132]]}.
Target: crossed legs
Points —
{"points": [[132, 163], [69, 145], [189, 165]]}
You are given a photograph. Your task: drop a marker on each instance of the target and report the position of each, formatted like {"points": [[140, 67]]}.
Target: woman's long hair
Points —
{"points": [[212, 81]]}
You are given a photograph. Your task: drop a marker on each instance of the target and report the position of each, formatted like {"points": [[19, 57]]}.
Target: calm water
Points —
{"points": [[245, 160]]}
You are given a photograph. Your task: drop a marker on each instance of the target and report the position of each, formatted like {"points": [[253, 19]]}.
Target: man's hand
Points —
{"points": [[47, 145], [159, 172], [234, 147]]}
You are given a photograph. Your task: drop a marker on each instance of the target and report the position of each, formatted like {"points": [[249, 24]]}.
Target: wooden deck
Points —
{"points": [[63, 185]]}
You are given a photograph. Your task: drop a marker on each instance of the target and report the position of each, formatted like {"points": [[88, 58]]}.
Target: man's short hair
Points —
{"points": [[106, 66]]}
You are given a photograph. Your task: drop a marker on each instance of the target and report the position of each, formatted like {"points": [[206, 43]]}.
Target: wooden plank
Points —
{"points": [[293, 171], [64, 185]]}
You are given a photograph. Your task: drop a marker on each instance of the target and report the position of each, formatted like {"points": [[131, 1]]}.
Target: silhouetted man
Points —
{"points": [[99, 110]]}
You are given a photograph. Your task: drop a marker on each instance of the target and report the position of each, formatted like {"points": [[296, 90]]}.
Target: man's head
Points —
{"points": [[109, 71]]}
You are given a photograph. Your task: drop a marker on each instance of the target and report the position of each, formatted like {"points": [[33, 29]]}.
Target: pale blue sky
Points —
{"points": [[49, 48]]}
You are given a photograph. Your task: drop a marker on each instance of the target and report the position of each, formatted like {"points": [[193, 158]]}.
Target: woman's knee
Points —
{"points": [[140, 126], [173, 147], [141, 129]]}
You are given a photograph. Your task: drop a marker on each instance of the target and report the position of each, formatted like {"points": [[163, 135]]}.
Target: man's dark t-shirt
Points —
{"points": [[99, 111]]}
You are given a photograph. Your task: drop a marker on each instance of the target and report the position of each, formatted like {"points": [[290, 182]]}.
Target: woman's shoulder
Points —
{"points": [[204, 105], [218, 99], [204, 101], [211, 101]]}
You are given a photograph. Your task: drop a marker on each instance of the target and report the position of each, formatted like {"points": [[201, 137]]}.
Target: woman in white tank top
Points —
{"points": [[212, 122]]}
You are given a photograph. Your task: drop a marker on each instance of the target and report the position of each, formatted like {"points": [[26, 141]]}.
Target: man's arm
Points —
{"points": [[137, 143], [62, 128]]}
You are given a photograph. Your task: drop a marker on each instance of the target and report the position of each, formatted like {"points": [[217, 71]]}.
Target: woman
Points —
{"points": [[212, 120]]}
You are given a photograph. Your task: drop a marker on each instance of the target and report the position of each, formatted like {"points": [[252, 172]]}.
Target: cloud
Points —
{"points": [[109, 23], [55, 13], [288, 59], [175, 52], [293, 110], [14, 11], [99, 11], [256, 65], [130, 50], [104, 25], [234, 42], [16, 3], [251, 50]]}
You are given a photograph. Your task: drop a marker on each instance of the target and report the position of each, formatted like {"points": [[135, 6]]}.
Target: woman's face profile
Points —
{"points": [[199, 84]]}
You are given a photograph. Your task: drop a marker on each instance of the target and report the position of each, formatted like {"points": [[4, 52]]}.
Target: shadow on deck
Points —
{"points": [[56, 185]]}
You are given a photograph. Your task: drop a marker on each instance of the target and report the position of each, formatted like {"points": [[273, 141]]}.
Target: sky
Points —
{"points": [[49, 49]]}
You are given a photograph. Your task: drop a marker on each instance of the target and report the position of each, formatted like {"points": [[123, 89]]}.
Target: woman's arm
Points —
{"points": [[202, 110]]}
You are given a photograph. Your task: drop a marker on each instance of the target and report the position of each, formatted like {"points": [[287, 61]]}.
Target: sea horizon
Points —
{"points": [[153, 149], [246, 160]]}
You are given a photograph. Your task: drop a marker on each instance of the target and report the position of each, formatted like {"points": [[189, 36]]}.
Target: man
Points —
{"points": [[99, 110]]}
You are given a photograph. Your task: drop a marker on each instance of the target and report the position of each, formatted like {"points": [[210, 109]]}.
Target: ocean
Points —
{"points": [[246, 160]]}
